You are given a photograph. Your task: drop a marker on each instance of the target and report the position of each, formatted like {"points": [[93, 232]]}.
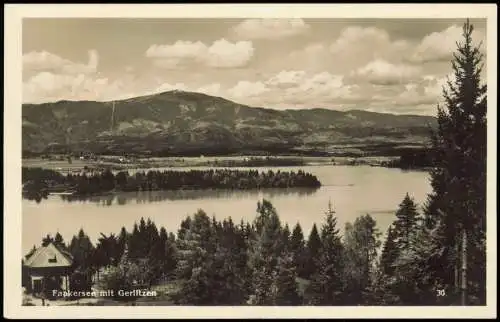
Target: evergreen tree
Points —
{"points": [[457, 205], [185, 225], [412, 284], [313, 252], [285, 282], [361, 244], [266, 250], [47, 240], [83, 253], [407, 220], [134, 243], [121, 243], [389, 253], [201, 267], [171, 255], [59, 241], [298, 250], [328, 283], [286, 237]]}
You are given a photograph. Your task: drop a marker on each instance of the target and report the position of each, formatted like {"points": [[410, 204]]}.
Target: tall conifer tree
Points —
{"points": [[457, 205]]}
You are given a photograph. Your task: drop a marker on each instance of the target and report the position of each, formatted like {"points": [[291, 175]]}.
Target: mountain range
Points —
{"points": [[187, 123]]}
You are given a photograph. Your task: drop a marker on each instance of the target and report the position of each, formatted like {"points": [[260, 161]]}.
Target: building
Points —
{"points": [[47, 262]]}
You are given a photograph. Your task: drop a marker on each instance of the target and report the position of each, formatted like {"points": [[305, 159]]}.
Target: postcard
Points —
{"points": [[180, 161]]}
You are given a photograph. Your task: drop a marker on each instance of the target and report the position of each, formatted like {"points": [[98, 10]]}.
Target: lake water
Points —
{"points": [[353, 191]]}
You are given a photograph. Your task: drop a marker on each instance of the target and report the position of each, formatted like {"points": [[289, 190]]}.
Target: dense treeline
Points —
{"points": [[412, 159], [262, 262], [153, 180]]}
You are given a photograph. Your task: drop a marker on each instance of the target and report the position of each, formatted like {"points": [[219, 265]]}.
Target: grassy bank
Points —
{"points": [[114, 163]]}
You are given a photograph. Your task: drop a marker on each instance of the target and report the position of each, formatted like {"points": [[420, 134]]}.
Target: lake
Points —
{"points": [[353, 191]]}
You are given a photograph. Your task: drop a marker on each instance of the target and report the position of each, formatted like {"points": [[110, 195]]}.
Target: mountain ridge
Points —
{"points": [[176, 121]]}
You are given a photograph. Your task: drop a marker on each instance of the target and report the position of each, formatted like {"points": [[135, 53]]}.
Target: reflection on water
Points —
{"points": [[123, 198], [353, 191]]}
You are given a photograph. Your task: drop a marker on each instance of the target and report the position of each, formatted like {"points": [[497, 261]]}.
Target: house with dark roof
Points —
{"points": [[44, 263]]}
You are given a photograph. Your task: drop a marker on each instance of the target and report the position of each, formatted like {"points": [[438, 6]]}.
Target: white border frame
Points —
{"points": [[12, 151]]}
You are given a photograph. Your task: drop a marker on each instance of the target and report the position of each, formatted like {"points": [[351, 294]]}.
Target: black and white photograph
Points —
{"points": [[253, 160]]}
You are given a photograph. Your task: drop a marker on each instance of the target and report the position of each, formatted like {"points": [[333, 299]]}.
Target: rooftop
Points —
{"points": [[49, 256]]}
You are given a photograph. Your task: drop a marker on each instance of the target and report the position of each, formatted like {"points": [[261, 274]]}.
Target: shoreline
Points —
{"points": [[114, 163]]}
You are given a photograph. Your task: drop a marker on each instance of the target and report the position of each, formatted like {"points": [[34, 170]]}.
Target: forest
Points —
{"points": [[38, 182], [263, 262]]}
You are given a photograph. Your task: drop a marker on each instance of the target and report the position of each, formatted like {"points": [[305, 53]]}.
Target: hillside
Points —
{"points": [[176, 122]]}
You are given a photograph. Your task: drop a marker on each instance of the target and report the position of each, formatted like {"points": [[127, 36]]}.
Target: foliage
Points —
{"points": [[312, 252], [457, 204], [328, 282], [38, 182], [361, 245]]}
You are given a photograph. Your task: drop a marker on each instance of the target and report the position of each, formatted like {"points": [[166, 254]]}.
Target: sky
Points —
{"points": [[385, 65]]}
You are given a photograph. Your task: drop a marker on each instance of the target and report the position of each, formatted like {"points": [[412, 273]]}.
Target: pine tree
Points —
{"points": [[59, 241], [83, 252], [407, 220], [185, 225], [134, 243], [361, 244], [47, 240], [286, 237], [457, 205], [313, 252], [285, 282], [122, 241], [298, 250], [328, 283], [389, 253], [265, 251]]}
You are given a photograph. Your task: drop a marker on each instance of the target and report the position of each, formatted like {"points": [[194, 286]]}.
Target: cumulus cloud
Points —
{"points": [[294, 89], [39, 61], [48, 86], [355, 46], [381, 72], [420, 96], [286, 78], [439, 46], [367, 41], [170, 87], [210, 89], [247, 89], [314, 57], [220, 54], [270, 28], [49, 77]]}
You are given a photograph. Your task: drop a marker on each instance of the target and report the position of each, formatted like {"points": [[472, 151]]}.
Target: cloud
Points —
{"points": [[439, 46], [367, 41], [48, 77], [270, 28], [211, 89], [221, 54], [39, 61], [170, 87], [286, 78], [381, 72], [246, 89], [355, 46], [421, 96], [294, 89], [48, 86]]}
